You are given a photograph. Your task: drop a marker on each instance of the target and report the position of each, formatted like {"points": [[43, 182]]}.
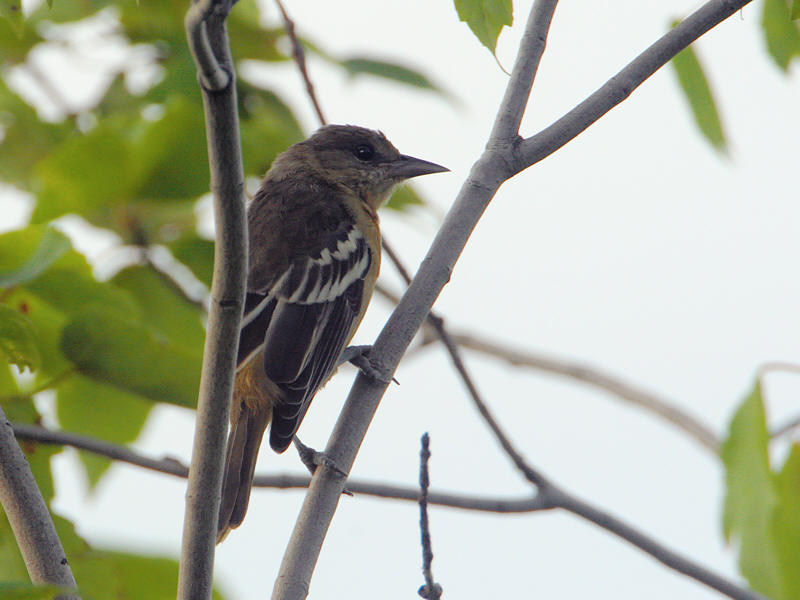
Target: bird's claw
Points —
{"points": [[312, 459], [359, 356]]}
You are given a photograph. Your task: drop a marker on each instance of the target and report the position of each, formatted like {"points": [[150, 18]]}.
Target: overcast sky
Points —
{"points": [[636, 249]]}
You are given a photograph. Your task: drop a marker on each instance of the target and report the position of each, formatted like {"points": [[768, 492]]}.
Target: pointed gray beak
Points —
{"points": [[407, 167]]}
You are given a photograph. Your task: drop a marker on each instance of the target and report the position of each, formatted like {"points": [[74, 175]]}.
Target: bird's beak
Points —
{"points": [[407, 167]]}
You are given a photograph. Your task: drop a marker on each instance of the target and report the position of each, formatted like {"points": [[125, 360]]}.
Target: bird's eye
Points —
{"points": [[364, 152]]}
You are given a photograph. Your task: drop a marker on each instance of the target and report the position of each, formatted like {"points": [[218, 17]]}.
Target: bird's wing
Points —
{"points": [[303, 321]]}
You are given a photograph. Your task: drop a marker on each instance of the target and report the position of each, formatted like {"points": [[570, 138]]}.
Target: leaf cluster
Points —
{"points": [[130, 163]]}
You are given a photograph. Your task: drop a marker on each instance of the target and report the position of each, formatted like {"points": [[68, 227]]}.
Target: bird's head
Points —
{"points": [[360, 159]]}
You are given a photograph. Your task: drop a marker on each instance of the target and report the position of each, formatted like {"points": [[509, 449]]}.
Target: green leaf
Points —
{"points": [[268, 127], [403, 198], [52, 246], [393, 71], [486, 18], [795, 14], [786, 524], [196, 253], [26, 139], [87, 173], [28, 591], [170, 155], [107, 345], [47, 321], [101, 411], [780, 32], [694, 84], [11, 10], [114, 574], [18, 339], [751, 496], [164, 308]]}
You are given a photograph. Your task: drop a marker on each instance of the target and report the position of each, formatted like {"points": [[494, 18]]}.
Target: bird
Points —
{"points": [[313, 259]]}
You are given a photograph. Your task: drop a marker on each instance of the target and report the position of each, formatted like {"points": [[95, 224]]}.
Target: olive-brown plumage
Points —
{"points": [[313, 261]]}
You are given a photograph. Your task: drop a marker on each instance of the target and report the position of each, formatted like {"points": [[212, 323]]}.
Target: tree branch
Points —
{"points": [[552, 496], [431, 590], [327, 484], [299, 57], [531, 48], [621, 85], [208, 41], [29, 518], [171, 466], [636, 395]]}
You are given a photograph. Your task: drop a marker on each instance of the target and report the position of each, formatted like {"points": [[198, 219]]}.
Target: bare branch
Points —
{"points": [[532, 44], [552, 496], [172, 466], [636, 395], [29, 518], [661, 553], [205, 25], [431, 590], [326, 485], [501, 159], [621, 85], [299, 56]]}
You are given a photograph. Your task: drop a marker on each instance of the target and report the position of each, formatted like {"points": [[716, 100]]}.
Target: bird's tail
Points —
{"points": [[240, 463]]}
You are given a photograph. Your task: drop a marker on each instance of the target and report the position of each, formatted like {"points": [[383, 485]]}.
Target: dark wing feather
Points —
{"points": [[258, 311], [303, 321]]}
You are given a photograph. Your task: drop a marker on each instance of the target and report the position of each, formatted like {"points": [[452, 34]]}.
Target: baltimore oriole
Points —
{"points": [[315, 252]]}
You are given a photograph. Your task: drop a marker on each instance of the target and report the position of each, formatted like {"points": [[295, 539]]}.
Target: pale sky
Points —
{"points": [[636, 249]]}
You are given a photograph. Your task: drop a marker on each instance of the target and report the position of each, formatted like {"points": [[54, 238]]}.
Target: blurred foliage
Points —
{"points": [[694, 84], [761, 503], [131, 161], [782, 40]]}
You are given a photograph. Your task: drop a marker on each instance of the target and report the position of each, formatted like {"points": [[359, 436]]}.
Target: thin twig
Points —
{"points": [[636, 395], [553, 496], [29, 518], [174, 467], [299, 56], [431, 590]]}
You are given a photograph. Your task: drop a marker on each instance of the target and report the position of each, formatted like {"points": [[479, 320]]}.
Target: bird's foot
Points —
{"points": [[359, 356], [312, 459]]}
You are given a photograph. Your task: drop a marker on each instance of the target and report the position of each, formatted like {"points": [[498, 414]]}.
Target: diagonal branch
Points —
{"points": [[327, 484], [299, 56], [501, 159], [208, 41], [621, 85], [636, 395], [531, 49], [552, 496], [30, 520]]}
